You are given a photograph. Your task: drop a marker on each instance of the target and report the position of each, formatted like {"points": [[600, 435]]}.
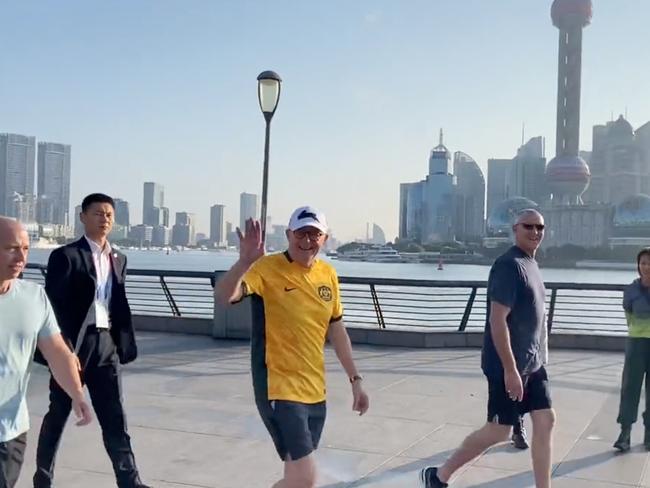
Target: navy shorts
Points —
{"points": [[537, 396], [294, 427]]}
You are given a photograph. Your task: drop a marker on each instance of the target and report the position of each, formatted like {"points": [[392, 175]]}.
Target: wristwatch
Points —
{"points": [[355, 378]]}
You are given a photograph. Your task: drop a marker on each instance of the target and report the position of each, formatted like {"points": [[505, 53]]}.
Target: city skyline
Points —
{"points": [[339, 133]]}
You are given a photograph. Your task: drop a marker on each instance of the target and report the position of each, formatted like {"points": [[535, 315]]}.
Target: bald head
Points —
{"points": [[14, 245], [526, 214]]}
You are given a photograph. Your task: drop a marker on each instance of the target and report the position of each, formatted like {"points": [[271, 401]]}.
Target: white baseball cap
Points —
{"points": [[308, 217]]}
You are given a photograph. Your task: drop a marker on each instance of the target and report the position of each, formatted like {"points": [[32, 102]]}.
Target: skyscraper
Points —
{"points": [[17, 156], [470, 202], [160, 236], [142, 234], [497, 183], [78, 225], [153, 202], [567, 173], [402, 232], [216, 224], [122, 212], [53, 183], [526, 173], [378, 235], [183, 232], [248, 208], [619, 162], [427, 208]]}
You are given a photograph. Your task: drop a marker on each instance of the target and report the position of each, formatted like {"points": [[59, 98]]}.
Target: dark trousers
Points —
{"points": [[637, 366], [101, 375], [12, 454]]}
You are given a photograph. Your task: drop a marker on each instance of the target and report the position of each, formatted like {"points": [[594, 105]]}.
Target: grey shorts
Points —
{"points": [[294, 427]]}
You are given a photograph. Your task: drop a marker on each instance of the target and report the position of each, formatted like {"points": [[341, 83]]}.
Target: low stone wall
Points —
{"points": [[440, 339], [182, 325]]}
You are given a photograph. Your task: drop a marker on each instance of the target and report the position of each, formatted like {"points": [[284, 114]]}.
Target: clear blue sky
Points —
{"points": [[166, 91]]}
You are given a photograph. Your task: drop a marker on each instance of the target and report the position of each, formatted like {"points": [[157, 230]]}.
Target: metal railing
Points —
{"points": [[160, 292], [388, 303], [461, 305]]}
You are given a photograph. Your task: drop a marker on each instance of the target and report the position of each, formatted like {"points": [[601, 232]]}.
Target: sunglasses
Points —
{"points": [[539, 227], [313, 235]]}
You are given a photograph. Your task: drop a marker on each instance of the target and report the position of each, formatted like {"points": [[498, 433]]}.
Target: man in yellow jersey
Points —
{"points": [[296, 306]]}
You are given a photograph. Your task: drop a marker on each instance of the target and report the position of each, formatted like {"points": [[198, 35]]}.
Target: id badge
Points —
{"points": [[101, 315]]}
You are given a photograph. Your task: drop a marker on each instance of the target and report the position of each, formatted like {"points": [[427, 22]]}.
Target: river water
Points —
{"points": [[196, 260]]}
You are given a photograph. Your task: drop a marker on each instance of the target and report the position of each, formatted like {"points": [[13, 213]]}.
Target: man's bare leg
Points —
{"points": [[298, 474], [473, 445], [542, 445]]}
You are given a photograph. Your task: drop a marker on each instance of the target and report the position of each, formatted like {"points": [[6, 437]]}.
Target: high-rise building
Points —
{"points": [[470, 203], [498, 183], [439, 159], [248, 208], [17, 156], [119, 233], [619, 162], [141, 234], [412, 213], [161, 236], [78, 225], [122, 212], [53, 183], [216, 224], [402, 232], [231, 235], [183, 232], [378, 235], [152, 202], [24, 208], [567, 173], [526, 173], [430, 204], [276, 237]]}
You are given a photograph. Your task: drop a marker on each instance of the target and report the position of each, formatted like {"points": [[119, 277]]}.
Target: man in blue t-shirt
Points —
{"points": [[26, 322], [512, 358]]}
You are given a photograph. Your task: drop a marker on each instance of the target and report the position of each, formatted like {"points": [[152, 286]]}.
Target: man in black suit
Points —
{"points": [[85, 283]]}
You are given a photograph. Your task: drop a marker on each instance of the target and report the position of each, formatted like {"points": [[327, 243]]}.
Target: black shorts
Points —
{"points": [[294, 427], [12, 454], [502, 410]]}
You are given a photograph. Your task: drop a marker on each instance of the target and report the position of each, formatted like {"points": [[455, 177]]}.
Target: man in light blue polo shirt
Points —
{"points": [[26, 322]]}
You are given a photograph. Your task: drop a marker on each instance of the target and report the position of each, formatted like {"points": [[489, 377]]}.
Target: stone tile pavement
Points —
{"points": [[193, 422]]}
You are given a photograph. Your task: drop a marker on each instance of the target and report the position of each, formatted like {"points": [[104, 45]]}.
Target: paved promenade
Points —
{"points": [[193, 423]]}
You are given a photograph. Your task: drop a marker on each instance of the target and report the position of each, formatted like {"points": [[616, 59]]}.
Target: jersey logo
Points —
{"points": [[286, 288], [325, 292]]}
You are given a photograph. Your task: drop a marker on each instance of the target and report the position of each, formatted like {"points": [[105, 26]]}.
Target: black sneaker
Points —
{"points": [[429, 478], [519, 436], [646, 438], [623, 441]]}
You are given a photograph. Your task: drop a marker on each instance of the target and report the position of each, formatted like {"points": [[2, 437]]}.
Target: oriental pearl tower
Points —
{"points": [[568, 174]]}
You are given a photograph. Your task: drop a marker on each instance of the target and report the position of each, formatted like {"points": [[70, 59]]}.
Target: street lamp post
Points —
{"points": [[268, 93]]}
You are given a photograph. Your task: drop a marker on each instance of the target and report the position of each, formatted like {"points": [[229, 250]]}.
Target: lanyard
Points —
{"points": [[102, 289]]}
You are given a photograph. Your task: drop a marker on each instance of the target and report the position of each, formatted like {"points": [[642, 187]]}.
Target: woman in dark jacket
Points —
{"points": [[636, 303]]}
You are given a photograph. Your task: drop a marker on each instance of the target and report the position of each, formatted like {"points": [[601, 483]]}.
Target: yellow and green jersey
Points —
{"points": [[292, 309]]}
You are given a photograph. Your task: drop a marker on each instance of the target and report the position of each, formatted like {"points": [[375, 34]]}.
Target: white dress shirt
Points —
{"points": [[98, 311]]}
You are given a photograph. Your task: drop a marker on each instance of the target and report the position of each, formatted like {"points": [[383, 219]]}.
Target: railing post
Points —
{"points": [[551, 311], [468, 310], [170, 298], [375, 302]]}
